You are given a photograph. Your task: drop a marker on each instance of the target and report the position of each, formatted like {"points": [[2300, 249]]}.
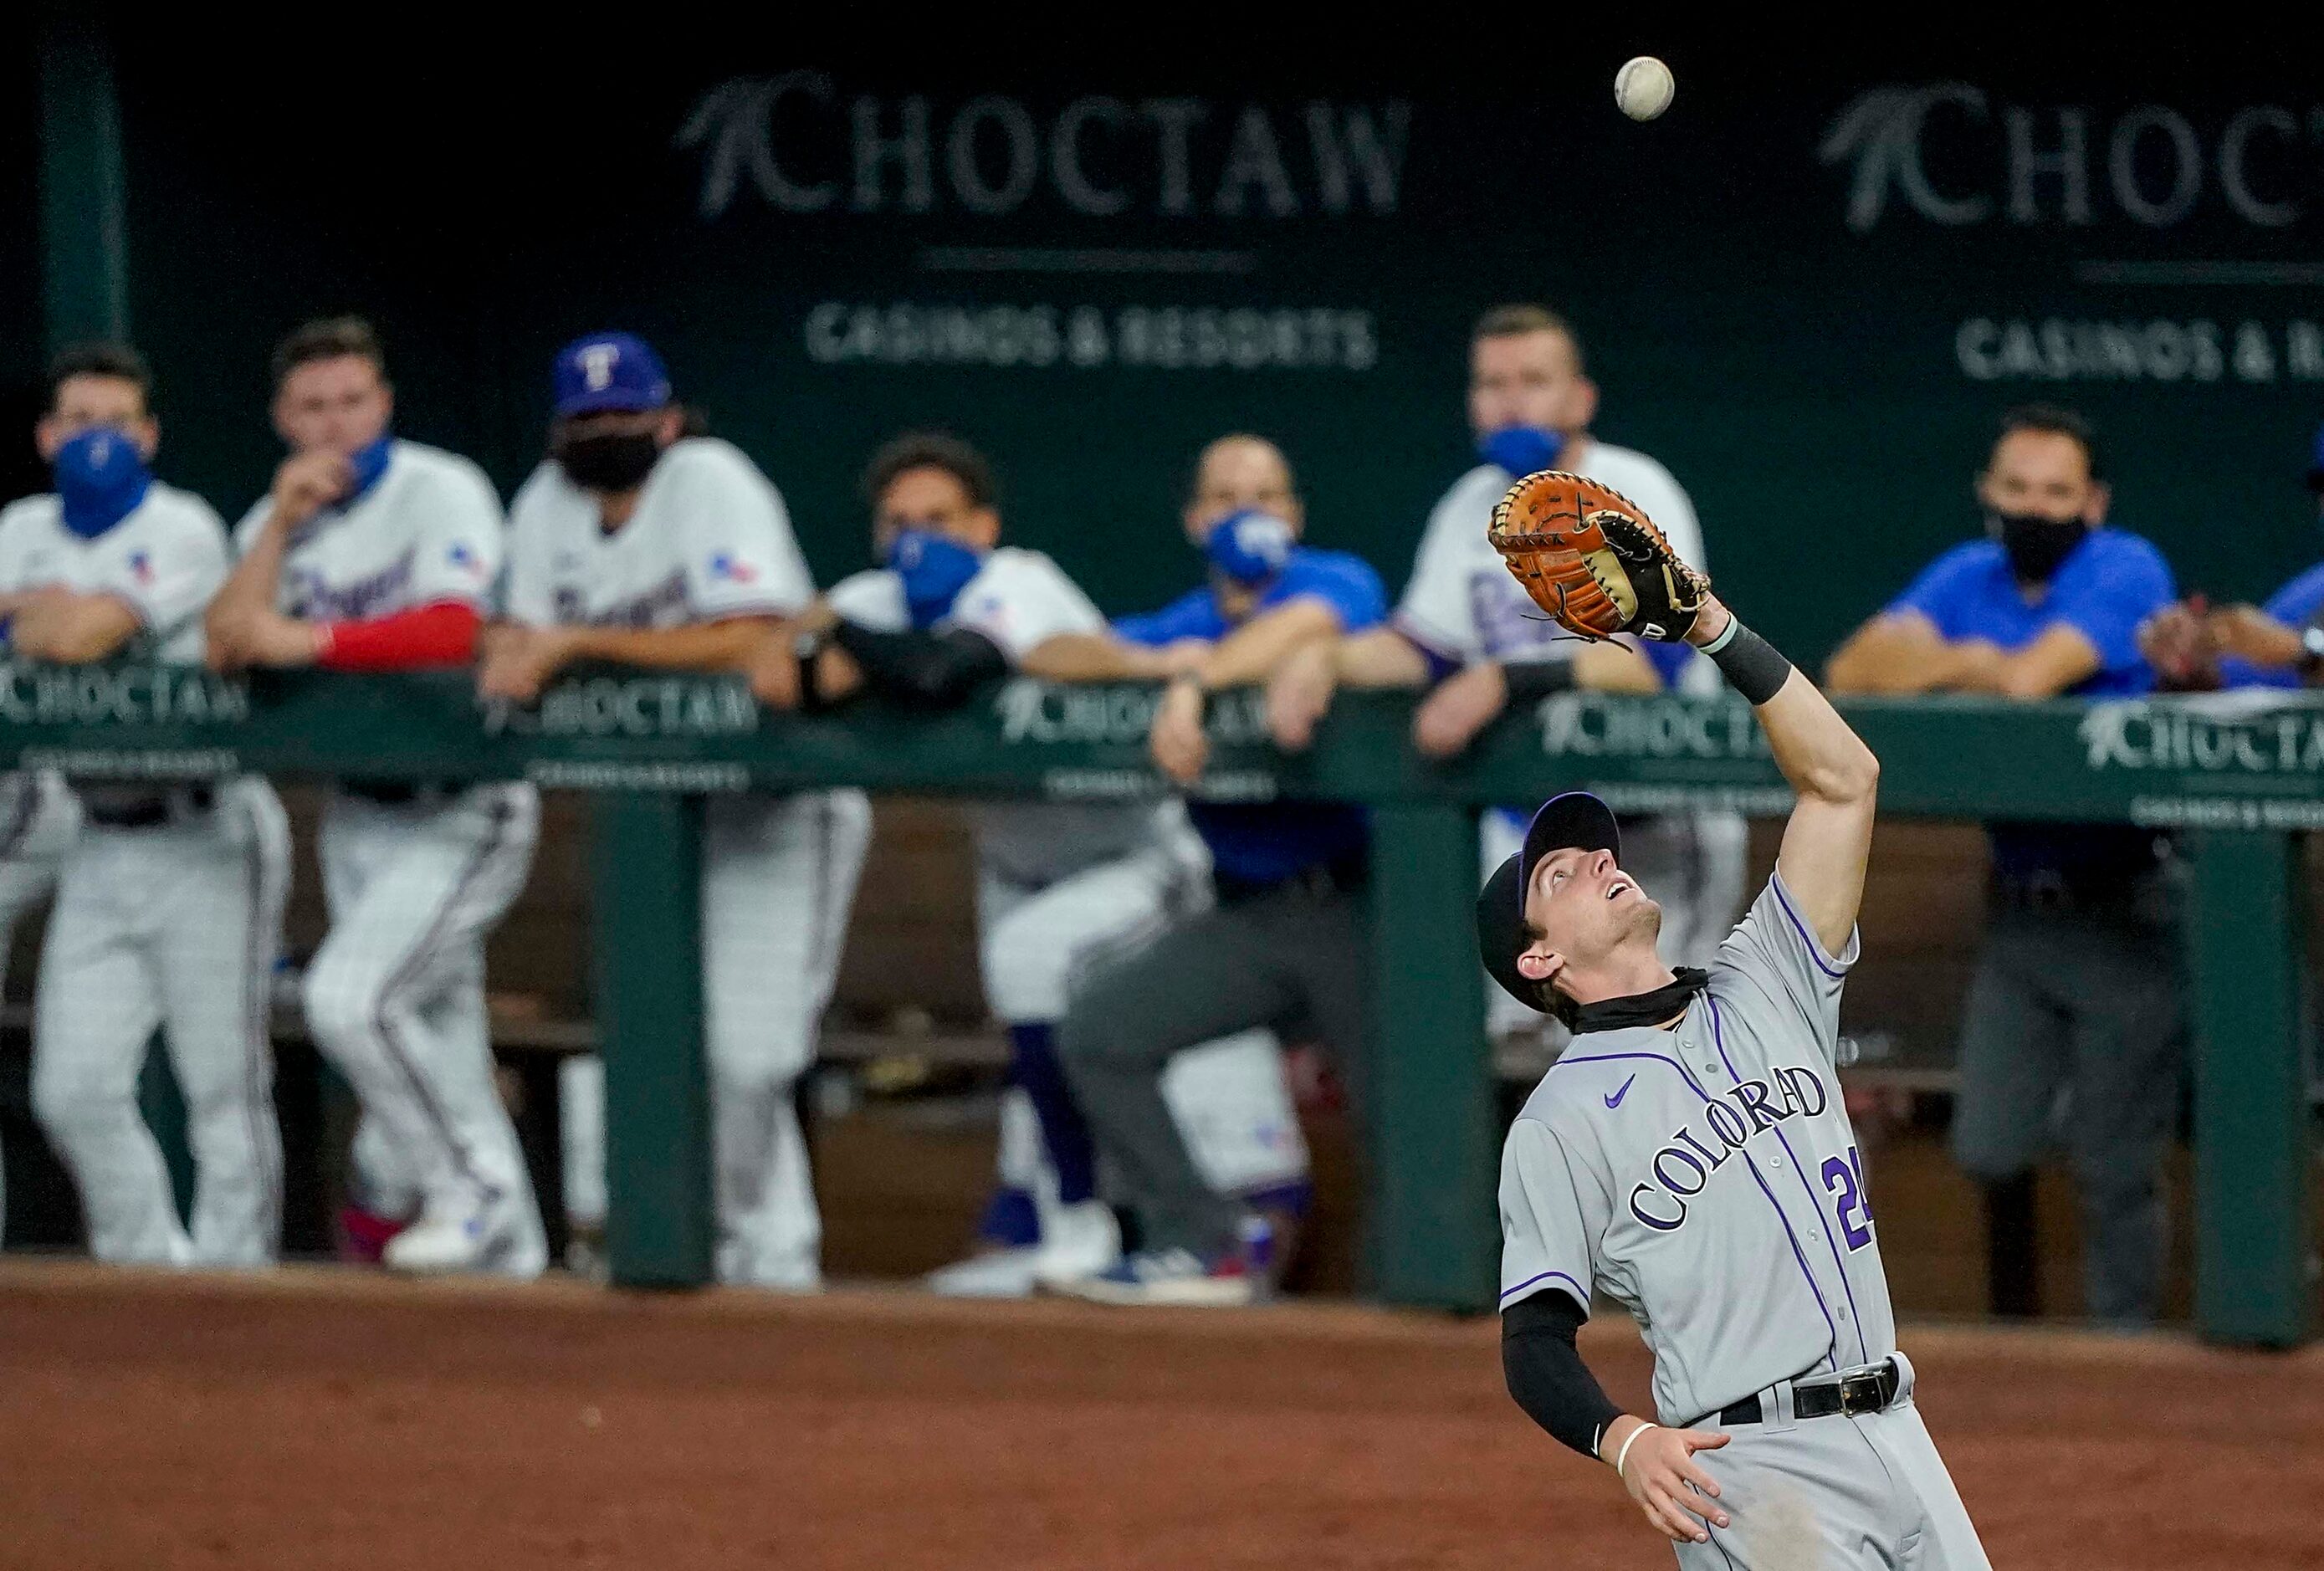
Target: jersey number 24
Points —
{"points": [[1843, 1177]]}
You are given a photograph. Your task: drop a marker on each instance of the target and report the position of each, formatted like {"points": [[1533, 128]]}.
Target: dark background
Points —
{"points": [[485, 196]]}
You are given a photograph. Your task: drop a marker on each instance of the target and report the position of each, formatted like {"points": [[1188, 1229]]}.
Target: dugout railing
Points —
{"points": [[2239, 778]]}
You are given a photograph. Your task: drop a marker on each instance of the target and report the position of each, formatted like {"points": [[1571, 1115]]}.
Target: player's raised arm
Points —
{"points": [[1599, 567], [1835, 775]]}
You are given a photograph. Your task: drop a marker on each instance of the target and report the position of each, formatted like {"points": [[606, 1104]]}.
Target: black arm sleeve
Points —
{"points": [[1546, 1375], [933, 670]]}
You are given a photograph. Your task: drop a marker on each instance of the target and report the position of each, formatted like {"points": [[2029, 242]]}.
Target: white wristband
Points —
{"points": [[1623, 1455]]}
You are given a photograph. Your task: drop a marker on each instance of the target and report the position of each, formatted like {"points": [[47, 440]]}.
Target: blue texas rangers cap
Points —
{"points": [[608, 371], [1565, 822]]}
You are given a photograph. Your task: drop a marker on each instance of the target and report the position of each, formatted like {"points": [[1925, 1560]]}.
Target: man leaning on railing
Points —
{"points": [[2076, 984]]}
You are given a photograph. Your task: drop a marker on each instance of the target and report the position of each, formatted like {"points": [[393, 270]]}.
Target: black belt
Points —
{"points": [[394, 793], [150, 812], [1869, 1390]]}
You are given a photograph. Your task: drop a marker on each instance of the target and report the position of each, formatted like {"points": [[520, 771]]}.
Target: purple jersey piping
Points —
{"points": [[1580, 1291], [1797, 1254], [1815, 949], [1815, 1202]]}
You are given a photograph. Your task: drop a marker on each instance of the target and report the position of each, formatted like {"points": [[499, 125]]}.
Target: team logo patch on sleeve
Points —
{"points": [[461, 557], [733, 569], [141, 566]]}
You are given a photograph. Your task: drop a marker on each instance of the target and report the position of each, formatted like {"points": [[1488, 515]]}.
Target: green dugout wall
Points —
{"points": [[2241, 781]]}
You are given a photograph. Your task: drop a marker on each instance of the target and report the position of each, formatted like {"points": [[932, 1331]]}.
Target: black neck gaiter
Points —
{"points": [[1642, 1009]]}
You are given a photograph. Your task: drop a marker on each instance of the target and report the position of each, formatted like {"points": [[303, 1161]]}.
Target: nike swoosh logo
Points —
{"points": [[1615, 1100]]}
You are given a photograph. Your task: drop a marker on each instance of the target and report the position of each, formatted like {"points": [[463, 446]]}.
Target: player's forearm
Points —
{"points": [[1091, 657], [425, 637], [72, 629], [250, 584], [1884, 659], [1828, 840], [931, 670], [707, 646], [1251, 651], [1818, 753], [1381, 658], [1545, 1375]]}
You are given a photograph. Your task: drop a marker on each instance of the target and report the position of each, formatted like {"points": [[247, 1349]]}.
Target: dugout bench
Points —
{"points": [[2239, 776]]}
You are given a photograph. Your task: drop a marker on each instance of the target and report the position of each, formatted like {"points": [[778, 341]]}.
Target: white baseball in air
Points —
{"points": [[1644, 87]]}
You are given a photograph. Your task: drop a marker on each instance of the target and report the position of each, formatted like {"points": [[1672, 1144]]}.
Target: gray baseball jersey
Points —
{"points": [[1707, 1178]]}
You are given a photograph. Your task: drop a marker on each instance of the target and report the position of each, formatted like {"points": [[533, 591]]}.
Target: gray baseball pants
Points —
{"points": [[1294, 957], [2086, 1004]]}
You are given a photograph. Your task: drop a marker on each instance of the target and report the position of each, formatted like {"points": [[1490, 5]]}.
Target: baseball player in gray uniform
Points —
{"points": [[1691, 1158], [169, 903]]}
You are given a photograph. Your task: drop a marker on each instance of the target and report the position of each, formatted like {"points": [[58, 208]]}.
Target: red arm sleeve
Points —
{"points": [[441, 634]]}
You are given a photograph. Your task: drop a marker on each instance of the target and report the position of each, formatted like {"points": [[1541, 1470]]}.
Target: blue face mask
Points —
{"points": [[934, 569], [1249, 547], [369, 463], [1522, 450], [101, 478]]}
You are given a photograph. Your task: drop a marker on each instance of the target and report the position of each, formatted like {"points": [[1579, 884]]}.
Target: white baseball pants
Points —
{"points": [[778, 876], [175, 925], [395, 995]]}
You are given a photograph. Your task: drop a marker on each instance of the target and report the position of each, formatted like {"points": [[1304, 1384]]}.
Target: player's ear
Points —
{"points": [[48, 435], [1539, 963], [2093, 510]]}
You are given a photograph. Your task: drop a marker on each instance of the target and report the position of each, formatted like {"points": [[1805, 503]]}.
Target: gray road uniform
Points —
{"points": [[1707, 1180]]}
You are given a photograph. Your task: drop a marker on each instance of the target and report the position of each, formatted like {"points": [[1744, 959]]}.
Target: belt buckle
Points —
{"points": [[1861, 1393]]}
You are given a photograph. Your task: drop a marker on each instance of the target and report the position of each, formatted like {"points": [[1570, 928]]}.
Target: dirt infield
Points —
{"points": [[320, 1420]]}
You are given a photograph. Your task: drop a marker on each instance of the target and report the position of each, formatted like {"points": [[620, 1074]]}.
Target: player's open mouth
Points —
{"points": [[1620, 886]]}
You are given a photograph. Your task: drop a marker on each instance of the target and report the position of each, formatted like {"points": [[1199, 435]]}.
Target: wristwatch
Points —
{"points": [[2311, 664]]}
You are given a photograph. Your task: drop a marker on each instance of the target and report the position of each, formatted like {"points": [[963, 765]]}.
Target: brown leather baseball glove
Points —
{"points": [[1591, 559]]}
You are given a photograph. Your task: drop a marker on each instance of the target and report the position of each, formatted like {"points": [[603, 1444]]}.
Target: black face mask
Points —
{"points": [[2037, 546], [1640, 1009], [607, 460]]}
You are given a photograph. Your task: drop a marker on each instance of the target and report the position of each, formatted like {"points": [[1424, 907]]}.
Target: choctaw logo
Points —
{"points": [[1955, 158], [805, 146], [2142, 735]]}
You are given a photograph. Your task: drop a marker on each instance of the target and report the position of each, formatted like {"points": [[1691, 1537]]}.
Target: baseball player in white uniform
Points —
{"points": [[1690, 1157], [638, 545], [372, 553], [169, 903], [1059, 886], [1465, 625]]}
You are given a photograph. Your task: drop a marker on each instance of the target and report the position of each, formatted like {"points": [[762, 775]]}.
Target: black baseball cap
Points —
{"points": [[1573, 820]]}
